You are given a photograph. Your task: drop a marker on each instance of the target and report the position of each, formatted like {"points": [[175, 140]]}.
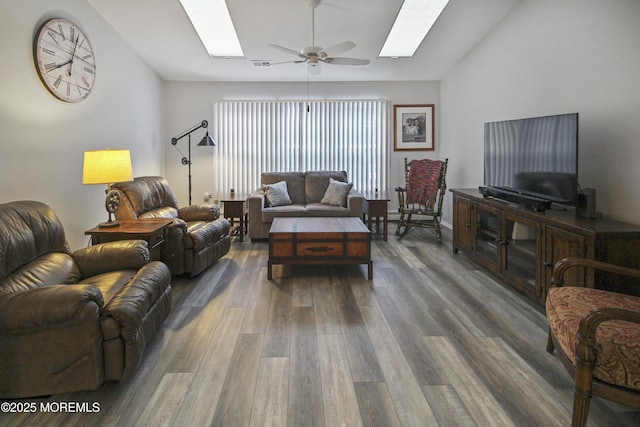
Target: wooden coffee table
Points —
{"points": [[344, 240]]}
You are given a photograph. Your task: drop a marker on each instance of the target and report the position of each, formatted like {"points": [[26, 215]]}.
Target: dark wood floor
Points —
{"points": [[432, 340]]}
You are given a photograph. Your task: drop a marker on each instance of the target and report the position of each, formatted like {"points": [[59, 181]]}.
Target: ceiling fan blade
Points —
{"points": [[339, 48], [289, 62], [286, 49], [346, 61]]}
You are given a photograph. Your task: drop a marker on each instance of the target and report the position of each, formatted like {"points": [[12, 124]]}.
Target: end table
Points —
{"points": [[376, 205], [233, 207], [153, 231]]}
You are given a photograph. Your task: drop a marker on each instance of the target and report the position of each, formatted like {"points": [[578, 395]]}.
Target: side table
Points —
{"points": [[153, 231], [376, 205], [233, 207]]}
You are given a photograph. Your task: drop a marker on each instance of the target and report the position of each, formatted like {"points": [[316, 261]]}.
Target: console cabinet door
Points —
{"points": [[522, 240], [561, 244], [488, 239], [462, 224]]}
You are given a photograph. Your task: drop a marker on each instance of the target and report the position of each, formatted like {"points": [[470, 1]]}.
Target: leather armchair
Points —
{"points": [[71, 320], [198, 236]]}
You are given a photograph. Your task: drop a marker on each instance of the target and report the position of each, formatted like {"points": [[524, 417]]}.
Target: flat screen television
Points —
{"points": [[533, 157]]}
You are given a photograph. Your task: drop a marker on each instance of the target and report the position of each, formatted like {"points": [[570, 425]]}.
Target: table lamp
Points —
{"points": [[108, 167]]}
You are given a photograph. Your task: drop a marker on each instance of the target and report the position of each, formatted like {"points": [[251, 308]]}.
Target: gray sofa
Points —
{"points": [[306, 190]]}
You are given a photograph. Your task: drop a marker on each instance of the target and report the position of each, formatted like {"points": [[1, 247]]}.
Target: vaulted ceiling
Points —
{"points": [[162, 34]]}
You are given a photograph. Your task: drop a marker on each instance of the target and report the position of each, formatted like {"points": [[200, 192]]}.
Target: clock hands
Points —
{"points": [[73, 54], [52, 67]]}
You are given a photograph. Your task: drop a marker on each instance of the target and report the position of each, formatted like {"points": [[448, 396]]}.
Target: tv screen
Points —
{"points": [[535, 157]]}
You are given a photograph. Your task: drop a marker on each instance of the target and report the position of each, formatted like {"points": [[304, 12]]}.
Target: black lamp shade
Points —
{"points": [[207, 141]]}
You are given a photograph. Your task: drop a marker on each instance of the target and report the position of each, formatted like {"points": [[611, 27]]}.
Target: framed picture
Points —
{"points": [[413, 128]]}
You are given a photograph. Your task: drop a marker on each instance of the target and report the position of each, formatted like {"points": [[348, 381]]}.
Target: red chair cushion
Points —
{"points": [[617, 342]]}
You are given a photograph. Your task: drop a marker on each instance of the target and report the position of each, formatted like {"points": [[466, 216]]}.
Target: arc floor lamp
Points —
{"points": [[206, 141]]}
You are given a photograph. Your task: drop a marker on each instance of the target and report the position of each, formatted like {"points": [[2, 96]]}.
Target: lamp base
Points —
{"points": [[108, 224], [112, 203]]}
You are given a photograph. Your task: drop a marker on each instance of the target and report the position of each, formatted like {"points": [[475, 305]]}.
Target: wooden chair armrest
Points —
{"points": [[586, 347], [561, 267]]}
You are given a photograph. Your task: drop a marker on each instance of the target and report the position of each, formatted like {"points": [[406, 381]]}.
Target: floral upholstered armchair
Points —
{"points": [[597, 336]]}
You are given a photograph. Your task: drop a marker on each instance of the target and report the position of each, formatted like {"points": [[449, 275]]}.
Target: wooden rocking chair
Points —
{"points": [[422, 195]]}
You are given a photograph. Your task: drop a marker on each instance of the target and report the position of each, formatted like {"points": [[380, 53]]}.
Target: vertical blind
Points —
{"points": [[282, 136]]}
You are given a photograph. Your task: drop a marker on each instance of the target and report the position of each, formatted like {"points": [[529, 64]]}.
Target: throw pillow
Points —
{"points": [[336, 194], [277, 194]]}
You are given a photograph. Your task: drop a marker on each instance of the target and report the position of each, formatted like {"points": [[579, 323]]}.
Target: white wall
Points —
{"points": [[188, 103], [552, 57], [43, 139]]}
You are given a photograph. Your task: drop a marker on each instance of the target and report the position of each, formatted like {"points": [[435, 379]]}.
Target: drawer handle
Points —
{"points": [[320, 249]]}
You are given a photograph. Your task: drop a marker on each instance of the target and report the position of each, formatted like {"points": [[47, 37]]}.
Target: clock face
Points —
{"points": [[64, 60]]}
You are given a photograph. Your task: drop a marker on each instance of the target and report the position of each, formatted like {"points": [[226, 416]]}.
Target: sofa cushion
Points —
{"points": [[321, 209], [316, 183], [268, 214], [276, 194], [295, 184], [336, 194]]}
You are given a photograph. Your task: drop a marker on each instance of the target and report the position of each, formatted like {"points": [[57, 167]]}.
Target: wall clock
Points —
{"points": [[64, 59]]}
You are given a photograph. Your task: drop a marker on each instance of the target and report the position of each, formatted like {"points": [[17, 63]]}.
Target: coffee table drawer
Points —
{"points": [[319, 249]]}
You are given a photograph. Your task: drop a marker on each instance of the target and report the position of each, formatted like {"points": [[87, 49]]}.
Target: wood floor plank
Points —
{"points": [[269, 407], [411, 406], [244, 280], [255, 321], [202, 399], [306, 408], [516, 385], [447, 406], [364, 366], [456, 371], [166, 401], [376, 407], [408, 333], [327, 321], [339, 398], [234, 408], [278, 328], [203, 287], [301, 293]]}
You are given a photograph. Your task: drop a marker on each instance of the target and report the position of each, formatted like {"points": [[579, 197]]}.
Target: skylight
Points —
{"points": [[212, 22], [411, 26]]}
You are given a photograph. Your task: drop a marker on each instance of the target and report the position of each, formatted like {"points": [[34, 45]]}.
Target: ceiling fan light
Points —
{"points": [[414, 20]]}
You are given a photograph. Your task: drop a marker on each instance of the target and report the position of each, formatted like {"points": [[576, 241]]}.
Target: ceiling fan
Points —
{"points": [[314, 55]]}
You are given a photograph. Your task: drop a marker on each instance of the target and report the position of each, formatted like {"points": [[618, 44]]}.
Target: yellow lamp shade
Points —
{"points": [[107, 166]]}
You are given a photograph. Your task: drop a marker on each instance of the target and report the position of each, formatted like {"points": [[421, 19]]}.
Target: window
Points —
{"points": [[268, 136]]}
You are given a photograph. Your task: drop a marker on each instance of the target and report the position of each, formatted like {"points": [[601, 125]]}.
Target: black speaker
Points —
{"points": [[586, 203]]}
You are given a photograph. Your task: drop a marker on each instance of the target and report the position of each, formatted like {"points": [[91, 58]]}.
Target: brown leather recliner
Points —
{"points": [[198, 236], [70, 321]]}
